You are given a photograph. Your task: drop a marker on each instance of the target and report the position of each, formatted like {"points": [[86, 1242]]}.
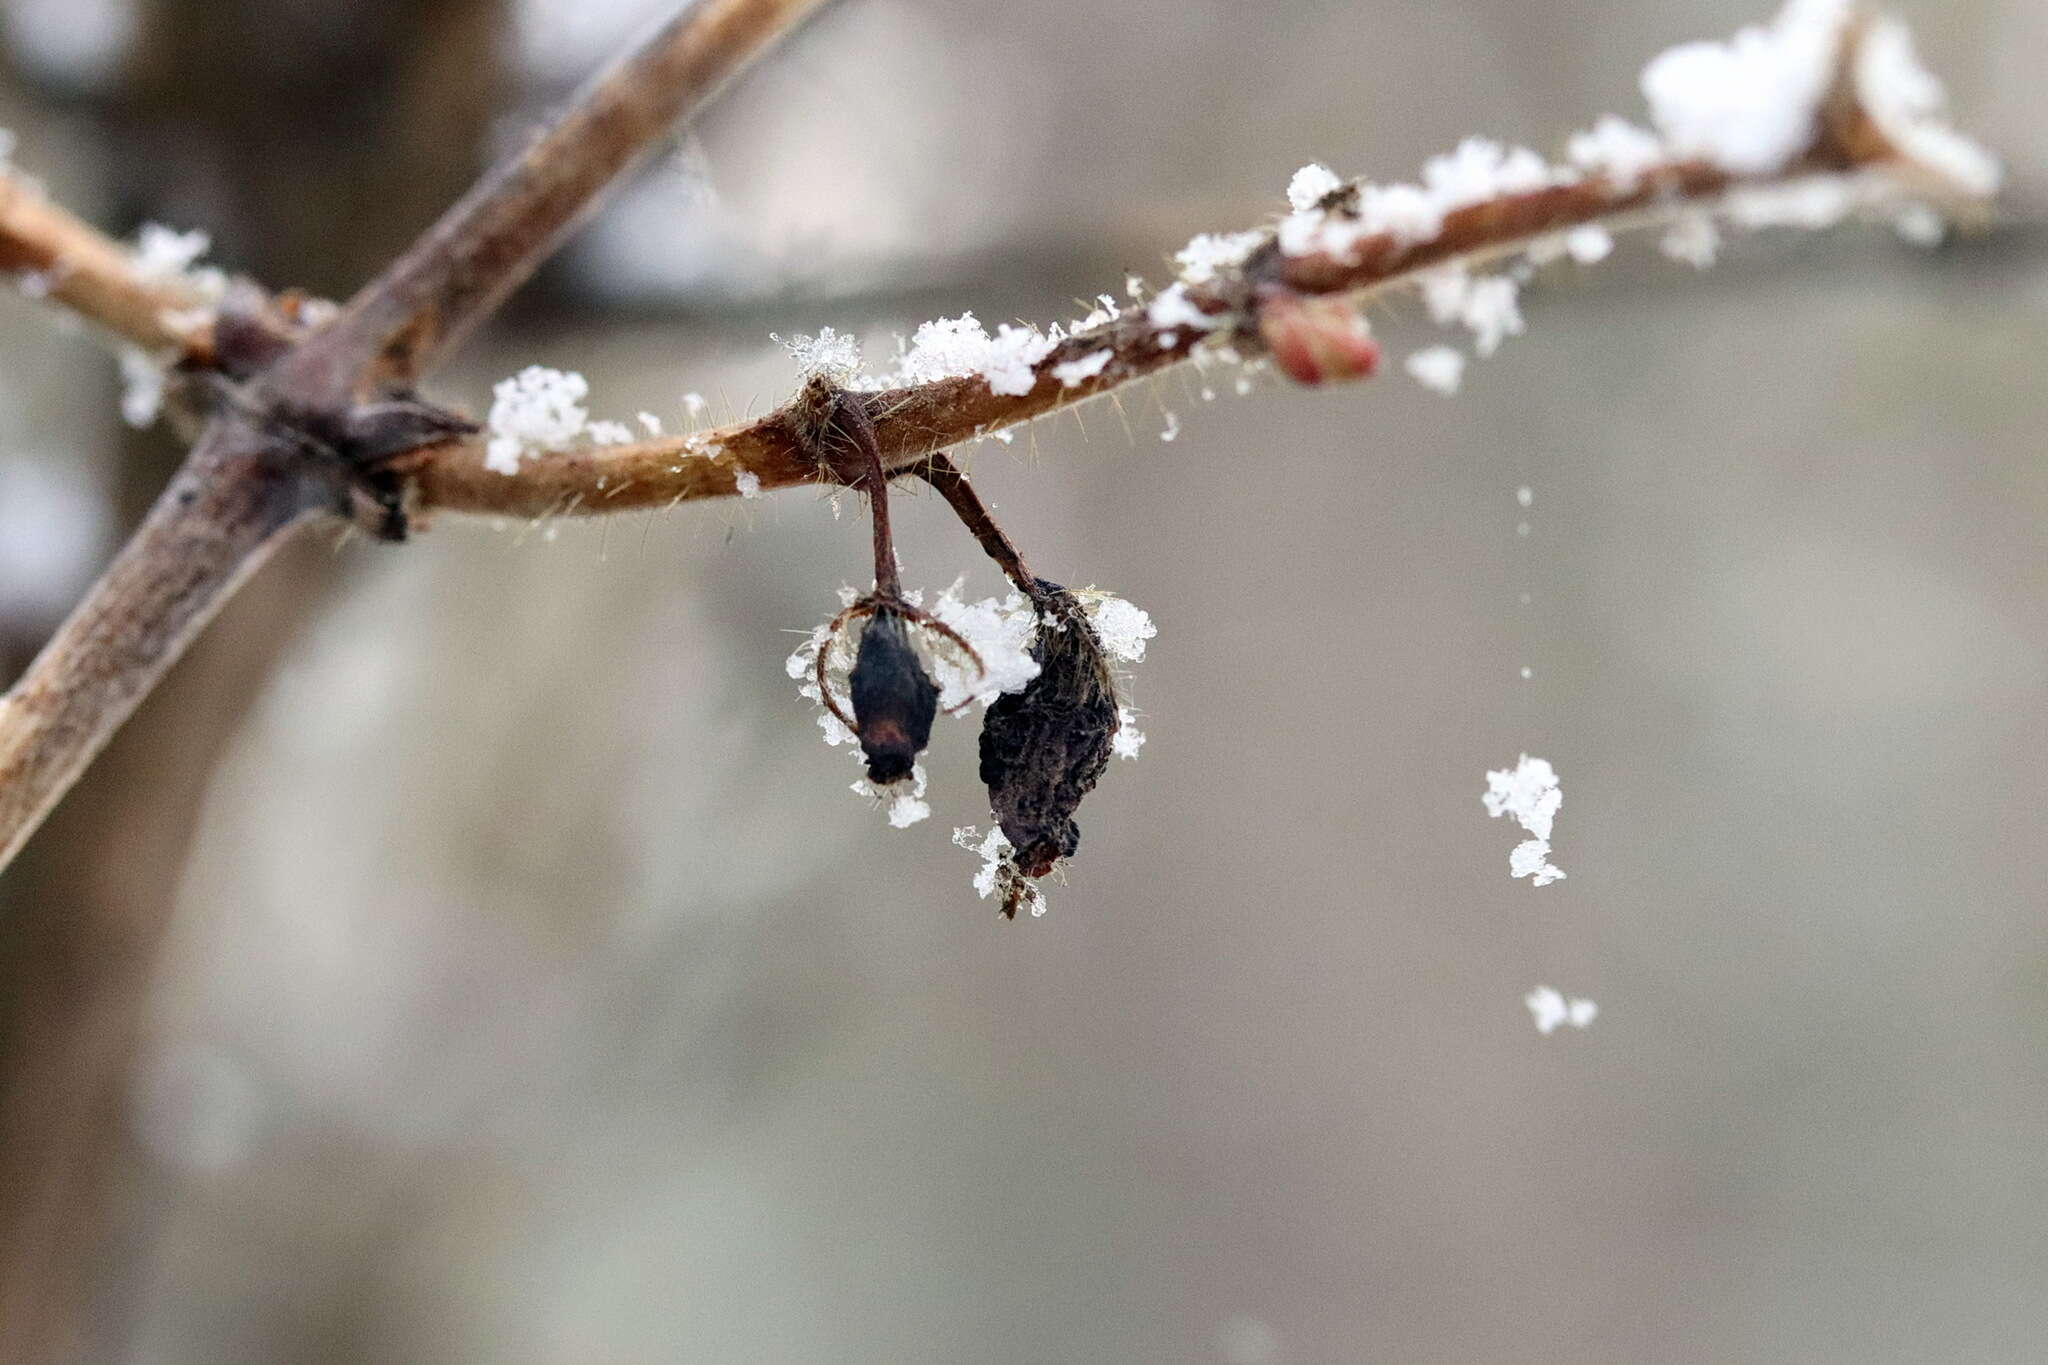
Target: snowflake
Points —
{"points": [[1550, 1009], [1172, 307], [533, 411], [1441, 368], [1693, 239], [1012, 354], [1530, 794], [997, 873], [1748, 104], [1208, 254], [1617, 149], [827, 355], [1073, 373], [1128, 738], [1001, 632], [1311, 185], [1123, 627]]}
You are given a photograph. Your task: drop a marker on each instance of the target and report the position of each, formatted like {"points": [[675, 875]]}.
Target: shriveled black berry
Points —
{"points": [[894, 699], [1044, 748]]}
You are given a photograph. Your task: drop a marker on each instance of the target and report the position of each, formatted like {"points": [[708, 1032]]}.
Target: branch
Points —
{"points": [[225, 510], [913, 423], [56, 257], [1292, 290], [1289, 290], [306, 433], [406, 321]]}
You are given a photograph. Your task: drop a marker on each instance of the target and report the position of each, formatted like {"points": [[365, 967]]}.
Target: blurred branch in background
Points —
{"points": [[268, 124]]}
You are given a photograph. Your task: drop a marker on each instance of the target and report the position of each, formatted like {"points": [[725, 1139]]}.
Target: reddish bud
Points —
{"points": [[1317, 338]]}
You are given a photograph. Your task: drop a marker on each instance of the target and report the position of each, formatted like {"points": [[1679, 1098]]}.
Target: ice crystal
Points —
{"points": [[536, 410], [1074, 373], [1528, 793], [1441, 368], [1551, 1009]]}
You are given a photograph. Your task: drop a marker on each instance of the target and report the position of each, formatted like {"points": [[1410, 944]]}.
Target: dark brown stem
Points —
{"points": [[851, 416], [405, 322], [941, 473]]}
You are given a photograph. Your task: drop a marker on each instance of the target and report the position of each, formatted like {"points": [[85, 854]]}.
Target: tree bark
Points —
{"points": [[313, 140]]}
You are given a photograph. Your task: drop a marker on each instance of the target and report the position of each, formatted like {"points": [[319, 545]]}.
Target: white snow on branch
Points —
{"points": [[1310, 185], [165, 256], [1748, 104], [536, 410], [1488, 307], [1551, 1009], [1209, 254], [952, 348], [1617, 149], [1073, 373], [829, 354], [944, 348], [142, 387], [1171, 307], [1907, 103], [1589, 244], [1478, 169], [1008, 368], [1530, 794]]}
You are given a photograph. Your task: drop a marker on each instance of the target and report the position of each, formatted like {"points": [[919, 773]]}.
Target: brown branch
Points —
{"points": [[317, 394], [225, 509], [307, 420], [911, 424], [408, 319], [57, 257]]}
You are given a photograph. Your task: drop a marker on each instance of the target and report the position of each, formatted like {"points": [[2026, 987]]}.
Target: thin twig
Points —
{"points": [[55, 256], [236, 493], [407, 320], [913, 423], [853, 416]]}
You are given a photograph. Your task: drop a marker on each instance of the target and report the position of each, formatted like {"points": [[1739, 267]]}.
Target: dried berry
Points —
{"points": [[1044, 748], [894, 699]]}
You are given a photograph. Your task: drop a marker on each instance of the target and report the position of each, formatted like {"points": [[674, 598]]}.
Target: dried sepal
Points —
{"points": [[1044, 748], [893, 698]]}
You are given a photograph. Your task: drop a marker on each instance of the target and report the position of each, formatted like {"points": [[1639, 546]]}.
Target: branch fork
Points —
{"points": [[324, 419]]}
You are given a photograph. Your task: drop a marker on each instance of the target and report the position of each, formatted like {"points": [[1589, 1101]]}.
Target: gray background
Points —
{"points": [[538, 993]]}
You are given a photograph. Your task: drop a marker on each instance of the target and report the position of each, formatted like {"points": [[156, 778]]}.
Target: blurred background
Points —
{"points": [[519, 982]]}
